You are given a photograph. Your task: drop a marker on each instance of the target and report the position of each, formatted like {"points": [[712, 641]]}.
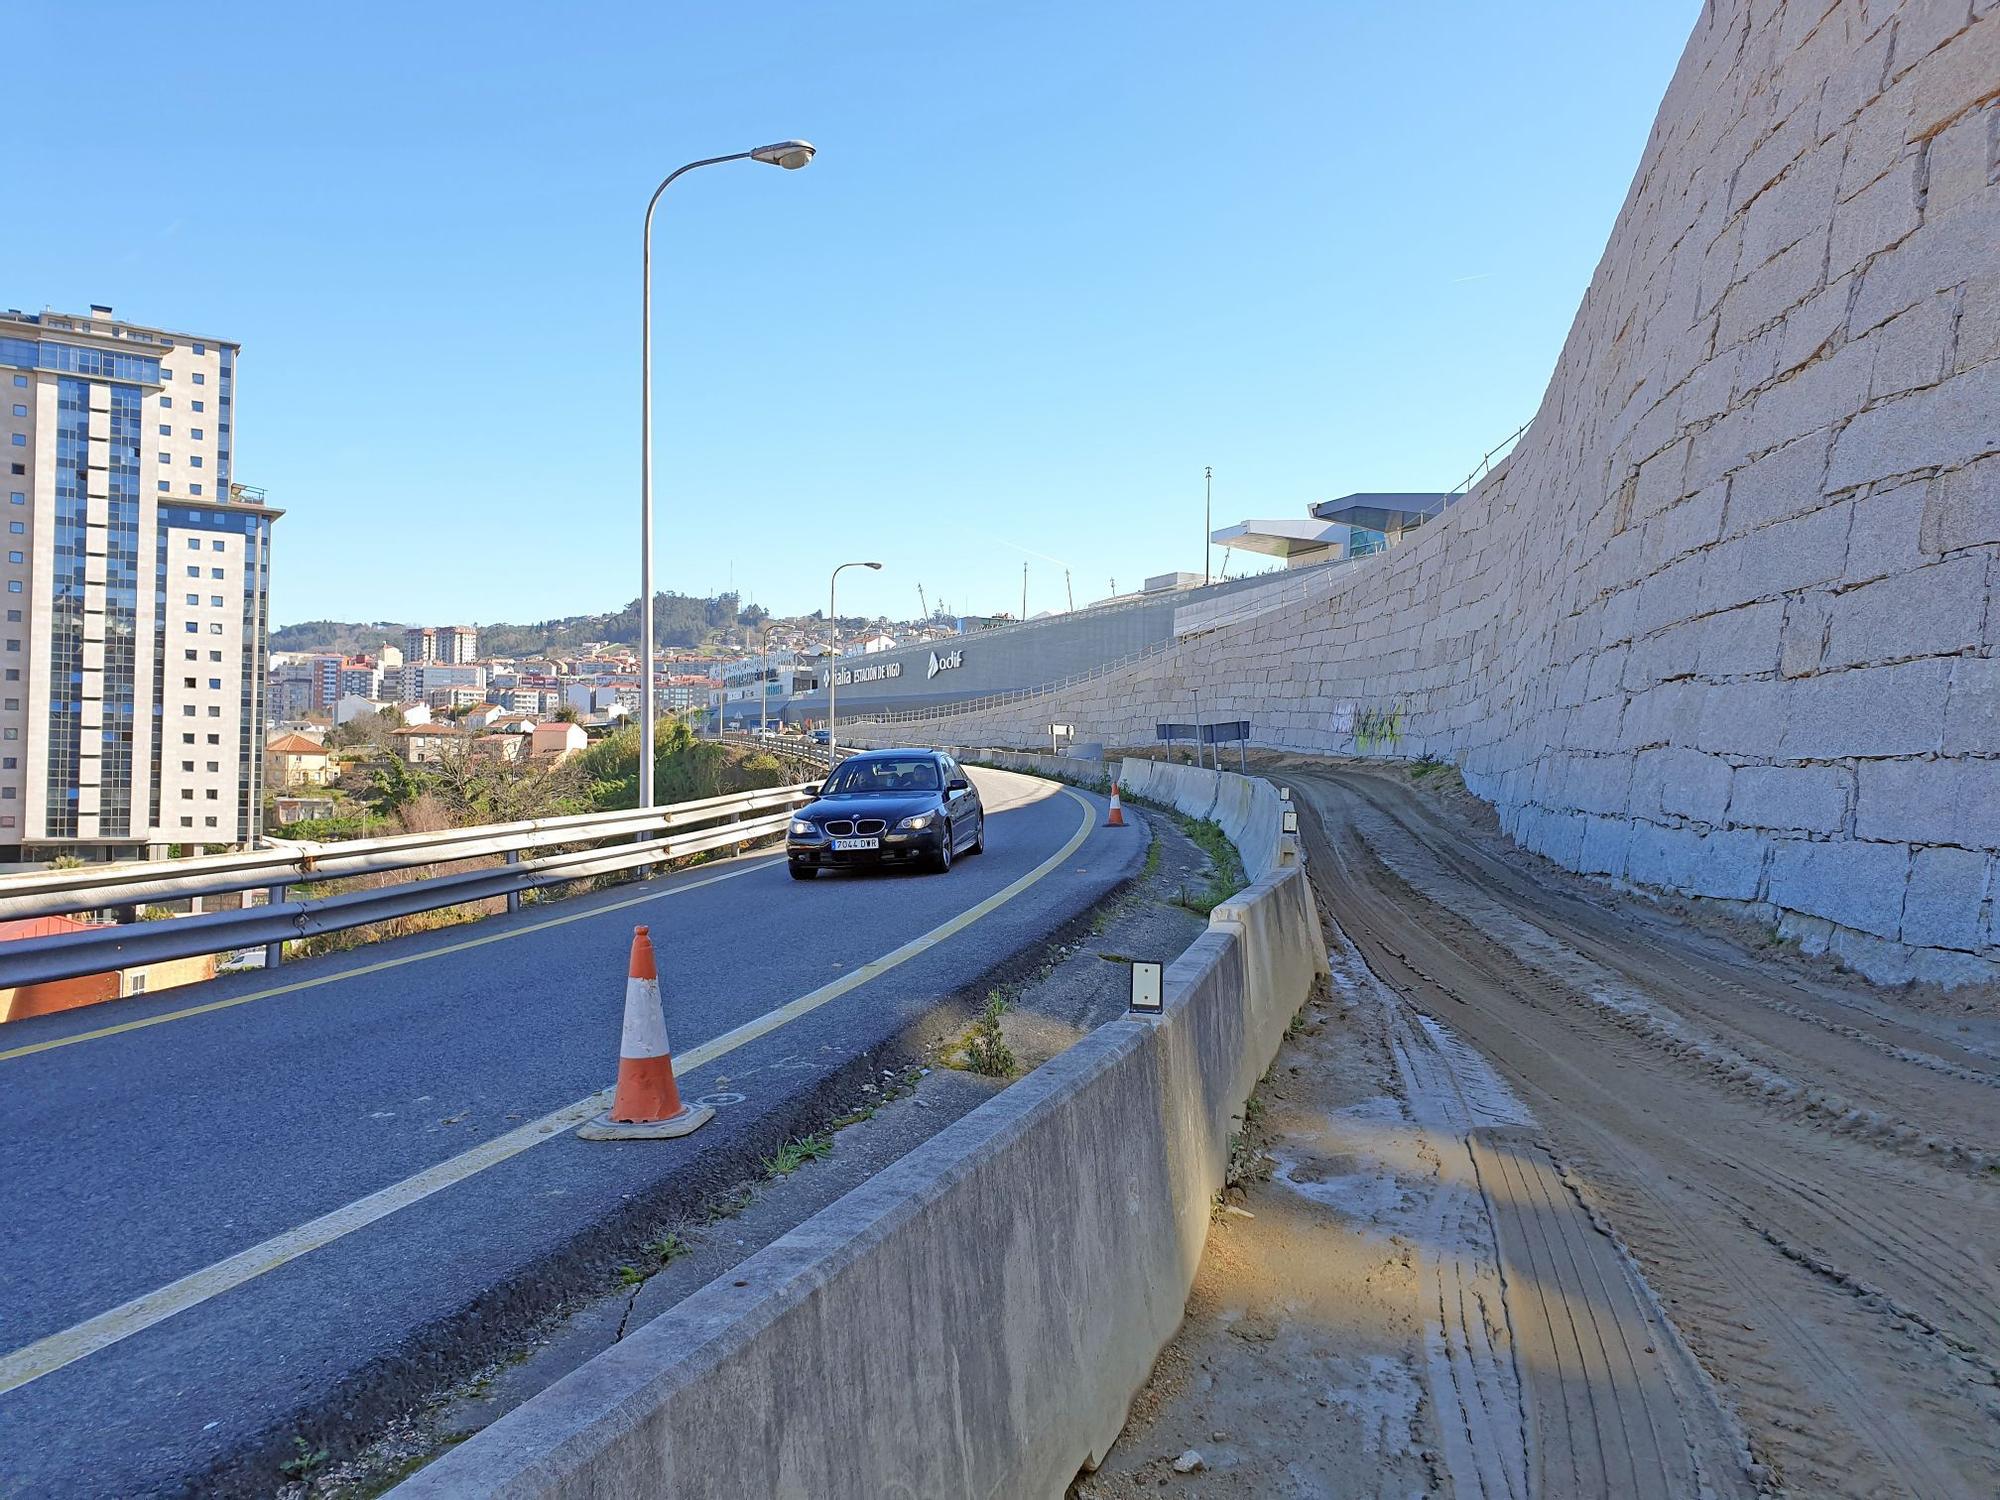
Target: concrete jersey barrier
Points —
{"points": [[976, 1319], [1247, 808]]}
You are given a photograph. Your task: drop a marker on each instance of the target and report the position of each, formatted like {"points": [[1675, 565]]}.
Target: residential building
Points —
{"points": [[135, 575], [17, 1003], [425, 744], [422, 680], [557, 740], [293, 760], [444, 643]]}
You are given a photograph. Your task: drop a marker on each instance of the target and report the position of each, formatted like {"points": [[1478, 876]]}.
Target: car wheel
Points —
{"points": [[941, 861], [803, 872], [978, 836]]}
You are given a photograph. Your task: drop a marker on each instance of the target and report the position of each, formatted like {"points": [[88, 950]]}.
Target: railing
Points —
{"points": [[1481, 469], [657, 836]]}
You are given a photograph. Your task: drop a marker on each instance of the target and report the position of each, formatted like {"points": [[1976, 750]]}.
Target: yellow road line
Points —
{"points": [[47, 1355], [375, 968]]}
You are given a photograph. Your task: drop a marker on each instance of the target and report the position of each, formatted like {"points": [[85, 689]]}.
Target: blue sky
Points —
{"points": [[1052, 260]]}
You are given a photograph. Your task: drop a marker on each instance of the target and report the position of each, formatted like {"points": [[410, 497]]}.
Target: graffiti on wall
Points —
{"points": [[1378, 729]]}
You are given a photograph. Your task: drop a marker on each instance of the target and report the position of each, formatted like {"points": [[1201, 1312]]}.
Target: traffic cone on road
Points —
{"points": [[646, 1105], [1117, 818]]}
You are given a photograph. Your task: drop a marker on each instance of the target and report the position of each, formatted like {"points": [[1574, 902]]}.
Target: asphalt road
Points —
{"points": [[295, 1211]]}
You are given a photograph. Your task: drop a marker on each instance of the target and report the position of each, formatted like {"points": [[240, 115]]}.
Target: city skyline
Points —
{"points": [[1039, 204]]}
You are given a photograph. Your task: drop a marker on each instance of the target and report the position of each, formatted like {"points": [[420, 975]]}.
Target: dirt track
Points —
{"points": [[1803, 1169]]}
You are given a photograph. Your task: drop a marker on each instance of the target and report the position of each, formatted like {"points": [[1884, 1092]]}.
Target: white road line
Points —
{"points": [[86, 1338]]}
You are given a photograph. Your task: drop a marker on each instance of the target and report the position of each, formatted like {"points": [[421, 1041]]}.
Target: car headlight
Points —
{"points": [[802, 827], [917, 824]]}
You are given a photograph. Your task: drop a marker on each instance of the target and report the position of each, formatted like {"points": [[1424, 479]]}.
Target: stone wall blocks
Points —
{"points": [[1963, 73], [1880, 215], [1972, 710], [1855, 884], [1887, 534], [1946, 425], [1785, 482], [1942, 907], [1961, 508], [1775, 559], [1932, 611], [1741, 642], [1866, 711], [1801, 799]]}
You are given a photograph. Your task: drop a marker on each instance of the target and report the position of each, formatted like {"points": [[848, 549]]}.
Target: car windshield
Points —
{"points": [[873, 776]]}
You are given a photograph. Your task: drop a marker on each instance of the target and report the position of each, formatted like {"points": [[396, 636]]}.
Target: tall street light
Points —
{"points": [[791, 155], [833, 647]]}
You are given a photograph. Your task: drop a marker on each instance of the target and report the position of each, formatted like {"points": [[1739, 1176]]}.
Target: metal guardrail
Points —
{"points": [[658, 835]]}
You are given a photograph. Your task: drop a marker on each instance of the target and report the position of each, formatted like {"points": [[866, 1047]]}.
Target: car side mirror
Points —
{"points": [[958, 784], [811, 790]]}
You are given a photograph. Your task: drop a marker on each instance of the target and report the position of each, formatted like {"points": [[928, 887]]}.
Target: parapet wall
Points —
{"points": [[1724, 622]]}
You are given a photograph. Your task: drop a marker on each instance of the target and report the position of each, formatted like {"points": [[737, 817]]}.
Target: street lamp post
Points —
{"points": [[833, 647], [1207, 521], [791, 155]]}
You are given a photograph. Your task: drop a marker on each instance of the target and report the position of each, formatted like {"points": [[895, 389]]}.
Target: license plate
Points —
{"points": [[844, 844]]}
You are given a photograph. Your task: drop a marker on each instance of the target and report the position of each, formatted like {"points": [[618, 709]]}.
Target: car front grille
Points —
{"points": [[840, 828], [866, 826]]}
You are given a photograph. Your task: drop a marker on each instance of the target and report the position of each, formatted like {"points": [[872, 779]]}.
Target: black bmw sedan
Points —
{"points": [[888, 807]]}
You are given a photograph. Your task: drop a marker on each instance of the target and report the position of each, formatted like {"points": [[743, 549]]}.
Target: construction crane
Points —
{"points": [[924, 603]]}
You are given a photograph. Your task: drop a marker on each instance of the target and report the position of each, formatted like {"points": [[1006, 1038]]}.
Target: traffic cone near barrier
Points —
{"points": [[646, 1106], [1117, 818]]}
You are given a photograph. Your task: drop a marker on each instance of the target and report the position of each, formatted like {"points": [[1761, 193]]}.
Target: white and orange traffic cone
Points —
{"points": [[1117, 818], [646, 1106]]}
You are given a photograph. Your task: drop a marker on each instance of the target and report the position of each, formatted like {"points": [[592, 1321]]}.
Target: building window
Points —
{"points": [[212, 572], [165, 373], [191, 655], [166, 458], [20, 380], [194, 489], [215, 656], [14, 557], [10, 734], [187, 739], [17, 527], [20, 410], [198, 406], [187, 682], [187, 822], [187, 765], [187, 794], [199, 378], [216, 600], [10, 763], [215, 629], [20, 440], [165, 430], [215, 710], [162, 486], [195, 433], [13, 674], [215, 765], [201, 348], [167, 401], [187, 710], [13, 585], [194, 544], [215, 739], [212, 546], [195, 461], [207, 822], [194, 598], [214, 796], [17, 498], [215, 682], [193, 627], [194, 572]]}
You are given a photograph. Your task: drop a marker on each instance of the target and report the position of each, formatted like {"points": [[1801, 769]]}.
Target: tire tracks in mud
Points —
{"points": [[1801, 1175]]}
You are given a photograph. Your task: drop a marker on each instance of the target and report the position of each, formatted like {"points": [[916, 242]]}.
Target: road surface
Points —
{"points": [[289, 1202]]}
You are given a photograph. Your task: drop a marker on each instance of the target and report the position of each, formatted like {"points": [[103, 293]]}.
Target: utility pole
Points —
{"points": [[923, 603], [1070, 592], [1024, 591], [1207, 519]]}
